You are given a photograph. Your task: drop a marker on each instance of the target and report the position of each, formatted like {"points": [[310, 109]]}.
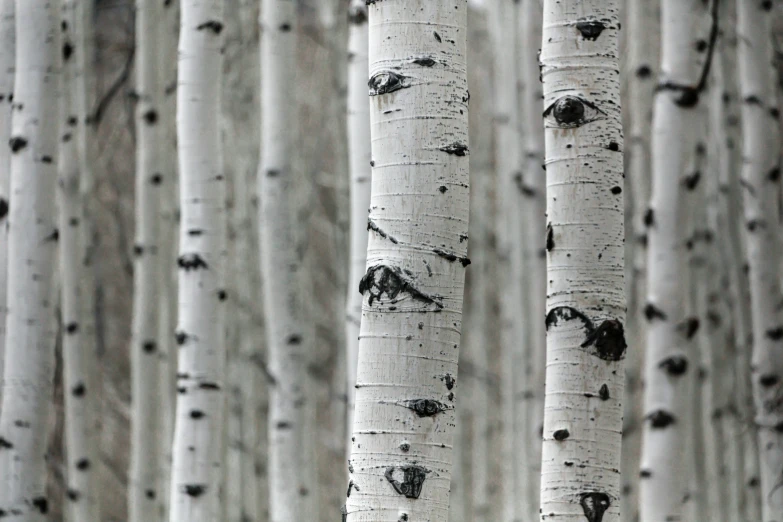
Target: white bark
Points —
{"points": [[7, 56], [146, 419], [359, 149], [586, 294], [32, 234], [78, 353], [669, 330], [760, 178], [196, 469], [413, 288]]}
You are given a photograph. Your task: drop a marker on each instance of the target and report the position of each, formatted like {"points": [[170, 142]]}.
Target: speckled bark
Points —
{"points": [[580, 475], [7, 56], [400, 467]]}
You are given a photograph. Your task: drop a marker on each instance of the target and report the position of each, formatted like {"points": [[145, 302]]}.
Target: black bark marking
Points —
{"points": [[570, 112], [285, 28], [71, 328], [566, 313], [83, 464], [149, 346], [386, 82], [769, 380], [150, 494], [613, 146], [616, 190], [156, 179], [425, 61], [660, 419], [382, 279], [590, 29], [357, 15], [608, 339], [222, 295], [643, 71], [197, 414], [774, 175], [151, 117], [652, 312], [649, 218], [603, 393], [284, 425], [294, 340], [181, 337], [776, 334], [17, 143], [73, 495], [456, 149], [138, 250], [194, 490], [209, 386], [4, 444], [766, 5], [450, 256], [550, 237], [426, 407], [645, 473], [691, 181], [350, 487], [412, 482], [375, 228], [3, 208], [46, 159], [190, 262], [212, 25], [689, 327], [405, 447], [437, 37], [41, 504], [54, 236], [561, 435], [595, 505], [78, 390], [67, 51], [674, 365], [450, 381]]}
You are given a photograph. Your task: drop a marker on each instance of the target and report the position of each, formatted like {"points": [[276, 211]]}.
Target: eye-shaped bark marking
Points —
{"points": [[594, 505], [608, 340], [660, 419], [382, 279], [561, 435], [456, 148], [590, 29], [674, 366], [424, 61], [570, 112], [385, 82], [426, 407], [412, 482]]}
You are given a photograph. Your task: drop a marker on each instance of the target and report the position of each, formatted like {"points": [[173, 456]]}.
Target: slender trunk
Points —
{"points": [[685, 58], [7, 49], [145, 383], [760, 178], [584, 239], [413, 289], [196, 469], [32, 240], [78, 354], [533, 187], [359, 148]]}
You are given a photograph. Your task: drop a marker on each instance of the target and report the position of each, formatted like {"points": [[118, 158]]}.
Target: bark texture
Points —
{"points": [[400, 467], [196, 473], [586, 345], [32, 243], [7, 57]]}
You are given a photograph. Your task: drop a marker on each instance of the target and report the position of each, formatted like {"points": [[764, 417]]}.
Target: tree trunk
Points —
{"points": [[359, 149], [584, 239], [146, 418], [760, 178], [32, 240], [196, 470], [7, 56], [78, 353], [401, 457], [669, 330]]}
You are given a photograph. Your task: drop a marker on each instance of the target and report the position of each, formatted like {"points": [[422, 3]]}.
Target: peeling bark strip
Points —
{"points": [[426, 407], [412, 482], [607, 340], [382, 279], [387, 82]]}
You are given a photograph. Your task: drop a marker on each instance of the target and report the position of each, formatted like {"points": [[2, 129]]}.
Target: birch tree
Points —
{"points": [[584, 241], [32, 240], [400, 467], [360, 156], [760, 178], [669, 330], [146, 418], [7, 48], [78, 352], [196, 469]]}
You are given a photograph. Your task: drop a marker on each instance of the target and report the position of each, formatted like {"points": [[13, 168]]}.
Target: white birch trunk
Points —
{"points": [[291, 466], [79, 380], [32, 240], [196, 469], [584, 239], [760, 179], [669, 330], [146, 418], [7, 57], [401, 456], [359, 150]]}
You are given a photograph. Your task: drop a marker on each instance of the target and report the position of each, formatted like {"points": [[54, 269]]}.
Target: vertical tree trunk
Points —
{"points": [[685, 57], [291, 468], [32, 240], [7, 57], [413, 288], [584, 239], [146, 419], [760, 178], [196, 470], [359, 149], [78, 353]]}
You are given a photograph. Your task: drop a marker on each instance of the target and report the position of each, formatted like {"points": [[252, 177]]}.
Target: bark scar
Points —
{"points": [[607, 341], [393, 281], [412, 482]]}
